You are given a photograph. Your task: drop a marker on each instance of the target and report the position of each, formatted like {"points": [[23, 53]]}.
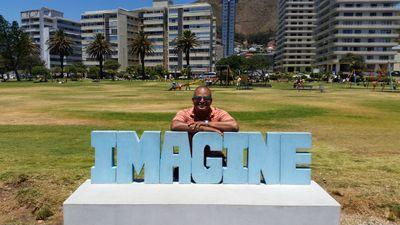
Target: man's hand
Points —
{"points": [[197, 124], [202, 126], [225, 126]]}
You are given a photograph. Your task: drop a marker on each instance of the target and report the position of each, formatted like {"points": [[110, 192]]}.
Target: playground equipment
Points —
{"points": [[224, 74], [177, 86]]}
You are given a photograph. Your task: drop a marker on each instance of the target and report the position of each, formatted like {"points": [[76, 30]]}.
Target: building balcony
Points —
{"points": [[299, 25], [365, 52], [200, 13], [298, 60], [149, 15], [152, 29], [195, 22], [297, 54], [365, 44], [299, 48], [153, 22], [393, 26], [366, 35], [368, 18], [367, 9], [295, 65]]}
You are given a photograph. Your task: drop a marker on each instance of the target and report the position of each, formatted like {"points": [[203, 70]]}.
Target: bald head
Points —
{"points": [[202, 99], [202, 91]]}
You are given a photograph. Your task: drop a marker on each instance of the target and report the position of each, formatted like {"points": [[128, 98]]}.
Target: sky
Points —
{"points": [[10, 9]]}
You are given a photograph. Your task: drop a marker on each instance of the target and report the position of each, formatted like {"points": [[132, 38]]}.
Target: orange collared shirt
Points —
{"points": [[216, 115]]}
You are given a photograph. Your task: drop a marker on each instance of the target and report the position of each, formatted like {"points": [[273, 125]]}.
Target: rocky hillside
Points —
{"points": [[253, 15]]}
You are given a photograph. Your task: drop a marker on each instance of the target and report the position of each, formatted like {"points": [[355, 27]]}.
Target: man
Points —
{"points": [[203, 117]]}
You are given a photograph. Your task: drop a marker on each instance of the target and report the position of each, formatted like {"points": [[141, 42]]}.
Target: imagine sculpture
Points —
{"points": [[277, 159]]}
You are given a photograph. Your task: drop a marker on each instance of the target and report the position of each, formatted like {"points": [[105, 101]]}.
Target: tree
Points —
{"points": [[259, 62], [235, 63], [161, 72], [3, 68], [140, 47], [80, 69], [99, 49], [94, 72], [41, 71], [32, 58], [134, 71], [70, 70], [61, 45], [30, 62], [111, 66], [185, 44], [14, 45], [355, 62], [55, 70]]}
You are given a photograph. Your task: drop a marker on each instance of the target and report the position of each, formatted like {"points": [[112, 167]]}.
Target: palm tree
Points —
{"points": [[60, 44], [140, 47], [99, 48], [185, 43]]}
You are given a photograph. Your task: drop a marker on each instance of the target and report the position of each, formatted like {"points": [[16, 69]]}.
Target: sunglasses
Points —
{"points": [[205, 98]]}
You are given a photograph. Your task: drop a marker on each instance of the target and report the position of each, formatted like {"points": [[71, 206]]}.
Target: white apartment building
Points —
{"points": [[295, 36], [41, 24], [154, 25], [118, 26], [365, 27], [164, 23]]}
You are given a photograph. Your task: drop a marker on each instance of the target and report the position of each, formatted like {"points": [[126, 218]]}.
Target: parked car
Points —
{"points": [[396, 73]]}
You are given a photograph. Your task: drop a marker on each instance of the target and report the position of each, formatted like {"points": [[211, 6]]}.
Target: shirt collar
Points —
{"points": [[212, 114]]}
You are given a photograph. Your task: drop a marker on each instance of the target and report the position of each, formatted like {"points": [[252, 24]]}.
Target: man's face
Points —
{"points": [[202, 99]]}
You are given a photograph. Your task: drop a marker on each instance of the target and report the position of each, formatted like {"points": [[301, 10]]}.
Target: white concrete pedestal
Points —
{"points": [[196, 204]]}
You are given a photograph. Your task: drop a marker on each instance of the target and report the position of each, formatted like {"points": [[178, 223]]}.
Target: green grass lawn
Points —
{"points": [[45, 137]]}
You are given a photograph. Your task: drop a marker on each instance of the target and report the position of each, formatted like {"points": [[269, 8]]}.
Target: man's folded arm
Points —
{"points": [[225, 126], [177, 125]]}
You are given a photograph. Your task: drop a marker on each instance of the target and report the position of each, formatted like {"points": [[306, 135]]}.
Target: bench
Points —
{"points": [[244, 87], [320, 88]]}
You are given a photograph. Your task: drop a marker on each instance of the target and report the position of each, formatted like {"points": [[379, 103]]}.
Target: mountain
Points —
{"points": [[253, 16]]}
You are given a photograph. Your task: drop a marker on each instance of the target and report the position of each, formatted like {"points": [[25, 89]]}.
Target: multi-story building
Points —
{"points": [[363, 27], [41, 24], [200, 20], [228, 26], [295, 41], [155, 26], [118, 26], [165, 22]]}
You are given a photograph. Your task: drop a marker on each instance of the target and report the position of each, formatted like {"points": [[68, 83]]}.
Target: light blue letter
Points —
{"points": [[135, 154], [213, 174], [235, 172], [289, 158], [169, 160], [264, 157], [103, 171]]}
